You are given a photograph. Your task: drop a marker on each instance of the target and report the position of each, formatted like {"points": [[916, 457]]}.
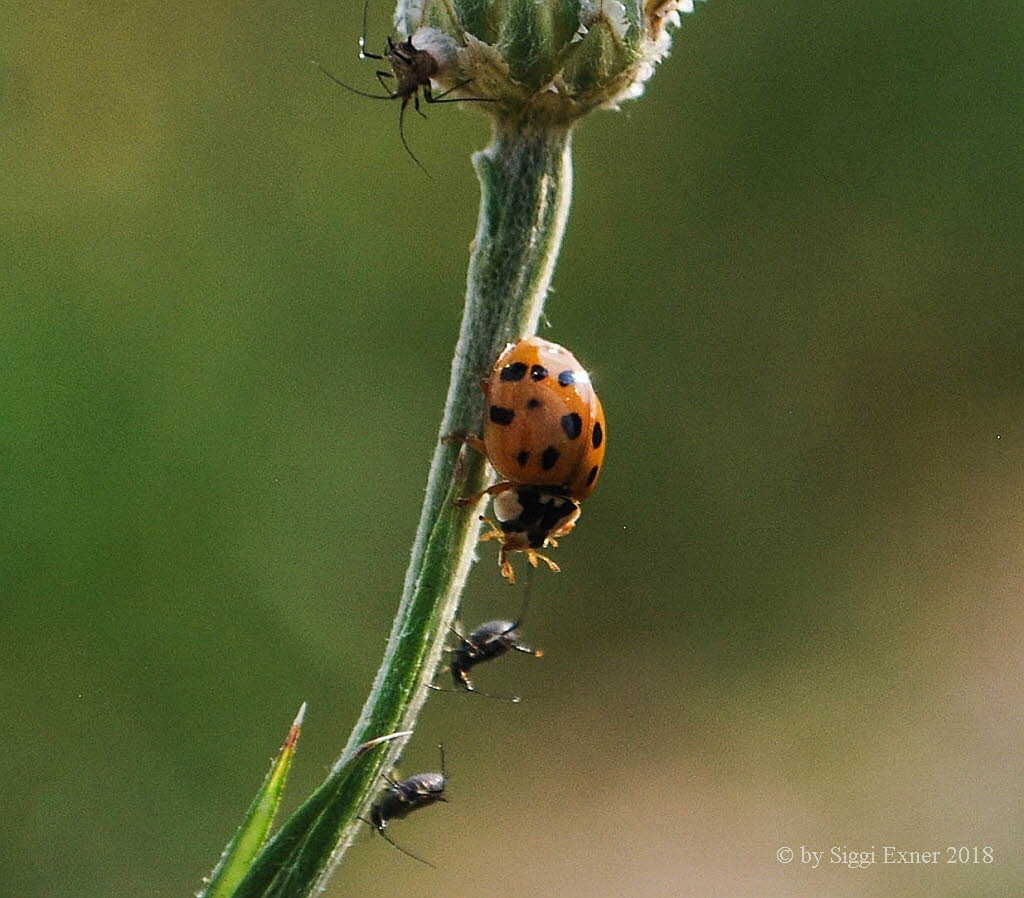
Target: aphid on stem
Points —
{"points": [[412, 71], [403, 797]]}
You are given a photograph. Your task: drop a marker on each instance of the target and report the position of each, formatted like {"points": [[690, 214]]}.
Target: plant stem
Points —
{"points": [[526, 185]]}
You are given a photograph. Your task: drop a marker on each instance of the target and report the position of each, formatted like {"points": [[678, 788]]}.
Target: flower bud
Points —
{"points": [[549, 59]]}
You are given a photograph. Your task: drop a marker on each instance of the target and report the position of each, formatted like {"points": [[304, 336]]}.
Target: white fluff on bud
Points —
{"points": [[438, 44], [612, 11]]}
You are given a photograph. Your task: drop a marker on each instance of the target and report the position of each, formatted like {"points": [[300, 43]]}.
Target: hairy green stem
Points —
{"points": [[526, 184]]}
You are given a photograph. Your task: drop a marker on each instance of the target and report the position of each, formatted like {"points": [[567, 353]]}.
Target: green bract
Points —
{"points": [[555, 59]]}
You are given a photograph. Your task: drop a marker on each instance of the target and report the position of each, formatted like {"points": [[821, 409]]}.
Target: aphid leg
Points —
{"points": [[404, 851], [401, 134], [430, 97], [526, 650], [416, 105], [381, 76], [455, 630], [391, 781], [355, 90], [462, 638]]}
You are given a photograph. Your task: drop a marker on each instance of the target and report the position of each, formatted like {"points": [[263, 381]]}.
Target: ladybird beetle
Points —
{"points": [[544, 433]]}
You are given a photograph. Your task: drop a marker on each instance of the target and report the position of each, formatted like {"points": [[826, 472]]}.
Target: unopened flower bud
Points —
{"points": [[546, 59]]}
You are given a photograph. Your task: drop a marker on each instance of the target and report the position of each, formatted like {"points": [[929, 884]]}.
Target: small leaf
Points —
{"points": [[292, 862], [238, 856]]}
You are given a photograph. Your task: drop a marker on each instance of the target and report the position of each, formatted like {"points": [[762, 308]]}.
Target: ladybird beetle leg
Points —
{"points": [[534, 555], [470, 439], [500, 487], [493, 533], [507, 570]]}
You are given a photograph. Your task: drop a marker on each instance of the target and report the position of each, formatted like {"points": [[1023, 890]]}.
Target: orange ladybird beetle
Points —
{"points": [[544, 433]]}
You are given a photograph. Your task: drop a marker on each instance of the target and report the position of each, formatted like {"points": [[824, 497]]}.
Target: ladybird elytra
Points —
{"points": [[544, 424]]}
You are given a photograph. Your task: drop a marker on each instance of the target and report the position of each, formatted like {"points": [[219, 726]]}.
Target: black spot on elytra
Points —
{"points": [[572, 424], [592, 476], [523, 457], [549, 458], [598, 436], [567, 378], [538, 372], [501, 415], [515, 371], [533, 403]]}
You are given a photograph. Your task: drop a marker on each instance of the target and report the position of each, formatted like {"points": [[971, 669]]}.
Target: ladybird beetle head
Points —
{"points": [[528, 516]]}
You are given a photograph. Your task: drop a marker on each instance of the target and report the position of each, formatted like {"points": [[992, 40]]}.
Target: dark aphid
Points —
{"points": [[487, 642], [411, 71], [402, 798]]}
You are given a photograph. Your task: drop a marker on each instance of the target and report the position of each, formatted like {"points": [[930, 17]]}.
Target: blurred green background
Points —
{"points": [[791, 615]]}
